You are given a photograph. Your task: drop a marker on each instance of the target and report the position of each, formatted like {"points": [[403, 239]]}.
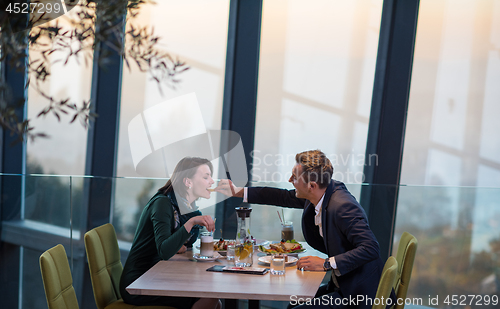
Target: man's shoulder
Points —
{"points": [[338, 189], [338, 194]]}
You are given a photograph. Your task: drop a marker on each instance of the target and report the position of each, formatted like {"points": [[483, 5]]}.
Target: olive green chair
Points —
{"points": [[57, 279], [407, 250], [385, 284], [103, 255]]}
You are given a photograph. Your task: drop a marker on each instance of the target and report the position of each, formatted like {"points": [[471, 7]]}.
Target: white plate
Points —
{"points": [[267, 260], [261, 242], [197, 257]]}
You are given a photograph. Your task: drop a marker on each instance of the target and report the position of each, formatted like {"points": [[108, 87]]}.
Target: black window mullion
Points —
{"points": [[240, 91], [386, 131]]}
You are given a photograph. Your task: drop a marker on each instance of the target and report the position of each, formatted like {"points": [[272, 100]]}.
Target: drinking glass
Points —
{"points": [[230, 251], [287, 230], [278, 264], [206, 245]]}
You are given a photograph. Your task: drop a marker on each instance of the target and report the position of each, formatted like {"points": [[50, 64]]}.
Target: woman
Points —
{"points": [[169, 223]]}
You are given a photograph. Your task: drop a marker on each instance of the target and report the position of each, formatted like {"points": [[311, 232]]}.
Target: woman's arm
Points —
{"points": [[162, 217], [168, 243]]}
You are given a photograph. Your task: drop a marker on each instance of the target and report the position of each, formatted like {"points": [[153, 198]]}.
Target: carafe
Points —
{"points": [[244, 240]]}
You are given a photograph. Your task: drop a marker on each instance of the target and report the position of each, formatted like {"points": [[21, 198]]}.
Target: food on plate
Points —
{"points": [[221, 245], [289, 246], [280, 256]]}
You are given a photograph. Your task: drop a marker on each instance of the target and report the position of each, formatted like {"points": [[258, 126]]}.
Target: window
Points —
{"points": [[195, 31], [317, 65], [63, 153], [451, 143]]}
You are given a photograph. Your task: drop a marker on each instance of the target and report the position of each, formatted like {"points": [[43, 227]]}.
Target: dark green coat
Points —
{"points": [[157, 237]]}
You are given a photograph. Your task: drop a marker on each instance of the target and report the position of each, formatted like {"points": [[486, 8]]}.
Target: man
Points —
{"points": [[334, 223]]}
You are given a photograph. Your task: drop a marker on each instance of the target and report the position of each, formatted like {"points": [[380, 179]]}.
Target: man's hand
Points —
{"points": [[310, 263], [227, 188]]}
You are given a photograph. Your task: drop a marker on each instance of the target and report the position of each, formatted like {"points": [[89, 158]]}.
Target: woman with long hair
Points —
{"points": [[169, 224]]}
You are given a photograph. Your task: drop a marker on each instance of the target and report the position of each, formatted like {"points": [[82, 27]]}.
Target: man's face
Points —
{"points": [[298, 181]]}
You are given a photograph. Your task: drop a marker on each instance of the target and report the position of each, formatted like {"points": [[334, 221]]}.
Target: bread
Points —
{"points": [[288, 245]]}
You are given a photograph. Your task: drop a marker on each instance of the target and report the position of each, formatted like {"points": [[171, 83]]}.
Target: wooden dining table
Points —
{"points": [[182, 275]]}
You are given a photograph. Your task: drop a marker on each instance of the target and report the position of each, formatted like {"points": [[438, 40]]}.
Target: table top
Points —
{"points": [[182, 275]]}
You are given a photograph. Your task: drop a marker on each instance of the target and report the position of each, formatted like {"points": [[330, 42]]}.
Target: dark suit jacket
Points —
{"points": [[347, 235]]}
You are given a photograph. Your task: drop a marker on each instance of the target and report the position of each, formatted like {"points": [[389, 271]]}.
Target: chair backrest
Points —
{"points": [[385, 284], [407, 250], [103, 255], [57, 279]]}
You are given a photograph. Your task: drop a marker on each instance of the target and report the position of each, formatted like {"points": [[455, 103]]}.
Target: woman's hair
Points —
{"points": [[186, 168]]}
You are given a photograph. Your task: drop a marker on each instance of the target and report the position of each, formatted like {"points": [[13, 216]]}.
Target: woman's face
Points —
{"points": [[201, 181]]}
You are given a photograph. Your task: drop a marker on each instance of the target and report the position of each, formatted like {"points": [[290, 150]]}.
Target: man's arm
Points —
{"points": [[274, 196], [261, 195]]}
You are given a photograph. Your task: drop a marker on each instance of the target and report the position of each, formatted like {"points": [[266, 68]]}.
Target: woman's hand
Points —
{"points": [[182, 249], [205, 221], [228, 188]]}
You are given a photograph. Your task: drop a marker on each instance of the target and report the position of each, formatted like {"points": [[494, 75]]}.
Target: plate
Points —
{"points": [[261, 242], [267, 260], [296, 254], [216, 256]]}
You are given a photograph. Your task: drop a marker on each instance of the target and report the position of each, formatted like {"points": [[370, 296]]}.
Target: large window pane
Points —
{"points": [[452, 141], [195, 32], [454, 99], [317, 63], [63, 152], [458, 242]]}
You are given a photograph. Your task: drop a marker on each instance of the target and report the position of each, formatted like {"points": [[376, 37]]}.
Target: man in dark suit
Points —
{"points": [[334, 223]]}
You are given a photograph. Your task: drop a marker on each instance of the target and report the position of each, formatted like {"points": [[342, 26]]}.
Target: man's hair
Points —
{"points": [[315, 167]]}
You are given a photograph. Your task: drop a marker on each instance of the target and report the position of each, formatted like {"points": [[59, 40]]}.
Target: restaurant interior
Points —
{"points": [[401, 95]]}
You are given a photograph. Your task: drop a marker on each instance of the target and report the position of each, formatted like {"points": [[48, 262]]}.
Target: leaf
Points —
{"points": [[74, 118], [57, 115]]}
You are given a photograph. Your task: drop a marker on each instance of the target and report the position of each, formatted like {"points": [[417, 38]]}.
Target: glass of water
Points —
{"points": [[278, 264], [230, 251]]}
